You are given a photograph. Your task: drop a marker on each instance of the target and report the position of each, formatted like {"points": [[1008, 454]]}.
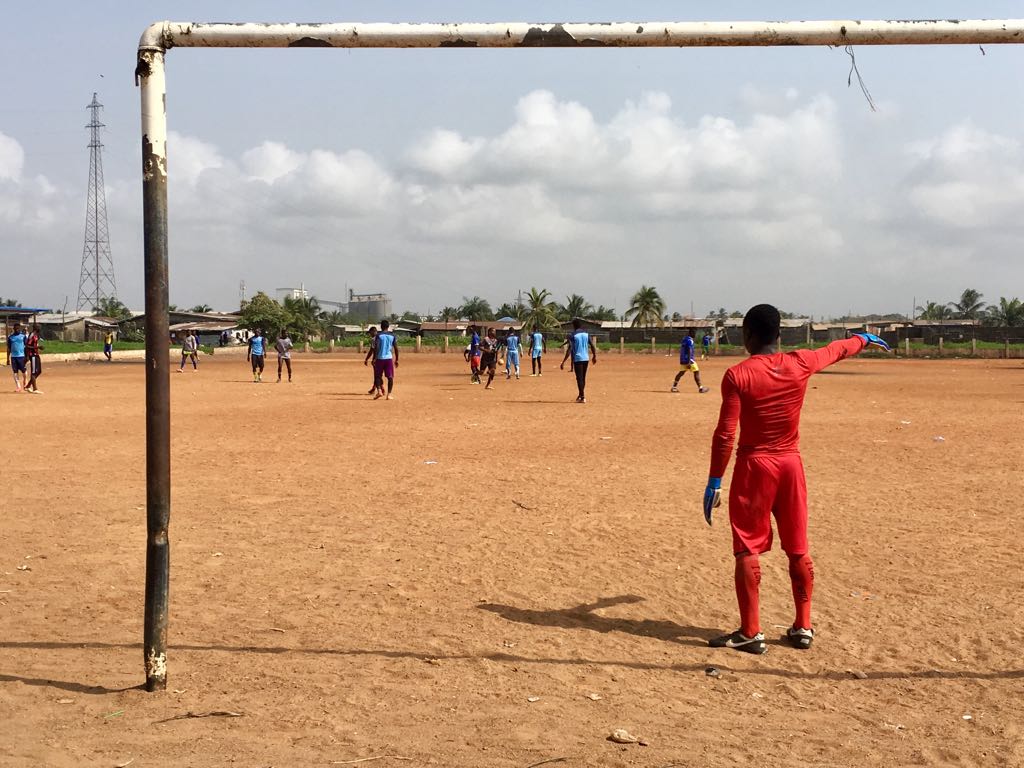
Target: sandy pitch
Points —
{"points": [[548, 580]]}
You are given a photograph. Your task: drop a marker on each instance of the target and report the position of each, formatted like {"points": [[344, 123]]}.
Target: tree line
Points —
{"points": [[1008, 312]]}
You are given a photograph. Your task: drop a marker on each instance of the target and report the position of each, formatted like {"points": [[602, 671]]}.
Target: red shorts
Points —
{"points": [[763, 486]]}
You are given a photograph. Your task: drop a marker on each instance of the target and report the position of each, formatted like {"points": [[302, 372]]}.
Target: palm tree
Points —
{"points": [[1006, 313], [539, 311], [201, 308], [604, 313], [969, 306], [646, 307], [575, 306], [933, 310], [9, 303], [304, 314], [476, 309], [111, 307]]}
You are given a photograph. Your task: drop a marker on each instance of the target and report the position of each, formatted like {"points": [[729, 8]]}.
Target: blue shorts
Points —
{"points": [[512, 359], [18, 364], [535, 353]]}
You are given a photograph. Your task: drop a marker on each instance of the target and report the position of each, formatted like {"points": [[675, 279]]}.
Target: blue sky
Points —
{"points": [[724, 177]]}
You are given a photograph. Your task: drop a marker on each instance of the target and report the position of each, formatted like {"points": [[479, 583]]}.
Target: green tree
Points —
{"points": [[411, 316], [303, 317], [677, 317], [970, 306], [201, 308], [934, 310], [112, 307], [9, 303], [604, 313], [540, 311], [476, 308], [646, 307], [575, 306], [263, 312], [1007, 313]]}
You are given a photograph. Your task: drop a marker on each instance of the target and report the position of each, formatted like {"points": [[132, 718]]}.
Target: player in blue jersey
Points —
{"points": [[537, 350], [474, 354], [511, 344], [583, 351], [385, 359], [688, 363], [16, 356], [257, 354], [705, 346]]}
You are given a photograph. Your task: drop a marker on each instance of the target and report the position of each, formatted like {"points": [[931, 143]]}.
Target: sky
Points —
{"points": [[723, 177]]}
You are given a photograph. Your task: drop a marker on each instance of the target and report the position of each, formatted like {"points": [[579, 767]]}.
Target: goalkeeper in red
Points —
{"points": [[764, 394]]}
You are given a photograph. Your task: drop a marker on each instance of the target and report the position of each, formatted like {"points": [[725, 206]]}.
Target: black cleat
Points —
{"points": [[799, 637], [740, 642]]}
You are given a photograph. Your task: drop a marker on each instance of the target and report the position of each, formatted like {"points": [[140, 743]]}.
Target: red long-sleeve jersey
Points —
{"points": [[765, 393]]}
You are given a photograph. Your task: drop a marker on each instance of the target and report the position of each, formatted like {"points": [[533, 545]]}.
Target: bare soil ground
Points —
{"points": [[548, 580]]}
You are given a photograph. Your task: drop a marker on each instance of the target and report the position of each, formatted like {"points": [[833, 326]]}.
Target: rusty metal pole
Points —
{"points": [[150, 76]]}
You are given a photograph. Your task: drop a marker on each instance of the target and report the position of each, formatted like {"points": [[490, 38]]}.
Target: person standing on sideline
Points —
{"points": [[16, 356], [537, 350], [765, 394], [284, 347], [474, 354], [385, 360], [705, 346], [369, 353], [189, 351], [687, 363], [257, 354], [583, 351], [108, 346], [511, 354], [33, 361]]}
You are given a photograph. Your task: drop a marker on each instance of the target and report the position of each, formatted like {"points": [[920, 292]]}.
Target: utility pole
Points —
{"points": [[96, 279]]}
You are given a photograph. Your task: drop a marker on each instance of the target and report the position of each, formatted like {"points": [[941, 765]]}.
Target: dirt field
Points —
{"points": [[548, 580]]}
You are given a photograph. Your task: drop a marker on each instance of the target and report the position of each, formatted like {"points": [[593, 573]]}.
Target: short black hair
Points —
{"points": [[763, 323], [384, 325], [691, 331], [577, 323]]}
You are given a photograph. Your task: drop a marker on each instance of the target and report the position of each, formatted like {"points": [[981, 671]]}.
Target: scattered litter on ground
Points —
{"points": [[939, 439], [857, 674], [622, 736], [430, 461], [594, 696], [713, 672]]}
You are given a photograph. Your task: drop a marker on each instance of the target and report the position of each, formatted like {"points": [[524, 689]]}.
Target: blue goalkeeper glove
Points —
{"points": [[712, 497], [873, 341]]}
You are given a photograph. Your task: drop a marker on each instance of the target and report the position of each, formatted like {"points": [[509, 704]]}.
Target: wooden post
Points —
{"points": [[940, 346], [652, 346], [360, 346], [419, 343], [808, 333], [716, 339], [622, 345], [330, 345], [974, 347], [906, 345], [305, 347], [445, 348], [1006, 348]]}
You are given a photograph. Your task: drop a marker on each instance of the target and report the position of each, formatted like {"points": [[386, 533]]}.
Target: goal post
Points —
{"points": [[149, 72]]}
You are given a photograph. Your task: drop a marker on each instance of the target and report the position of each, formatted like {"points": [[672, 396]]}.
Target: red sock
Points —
{"points": [[748, 583], [801, 573]]}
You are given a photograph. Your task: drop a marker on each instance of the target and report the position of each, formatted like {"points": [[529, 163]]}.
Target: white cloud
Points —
{"points": [[12, 158], [769, 204]]}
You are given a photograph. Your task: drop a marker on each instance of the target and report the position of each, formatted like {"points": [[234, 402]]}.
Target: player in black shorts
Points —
{"points": [[489, 356]]}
